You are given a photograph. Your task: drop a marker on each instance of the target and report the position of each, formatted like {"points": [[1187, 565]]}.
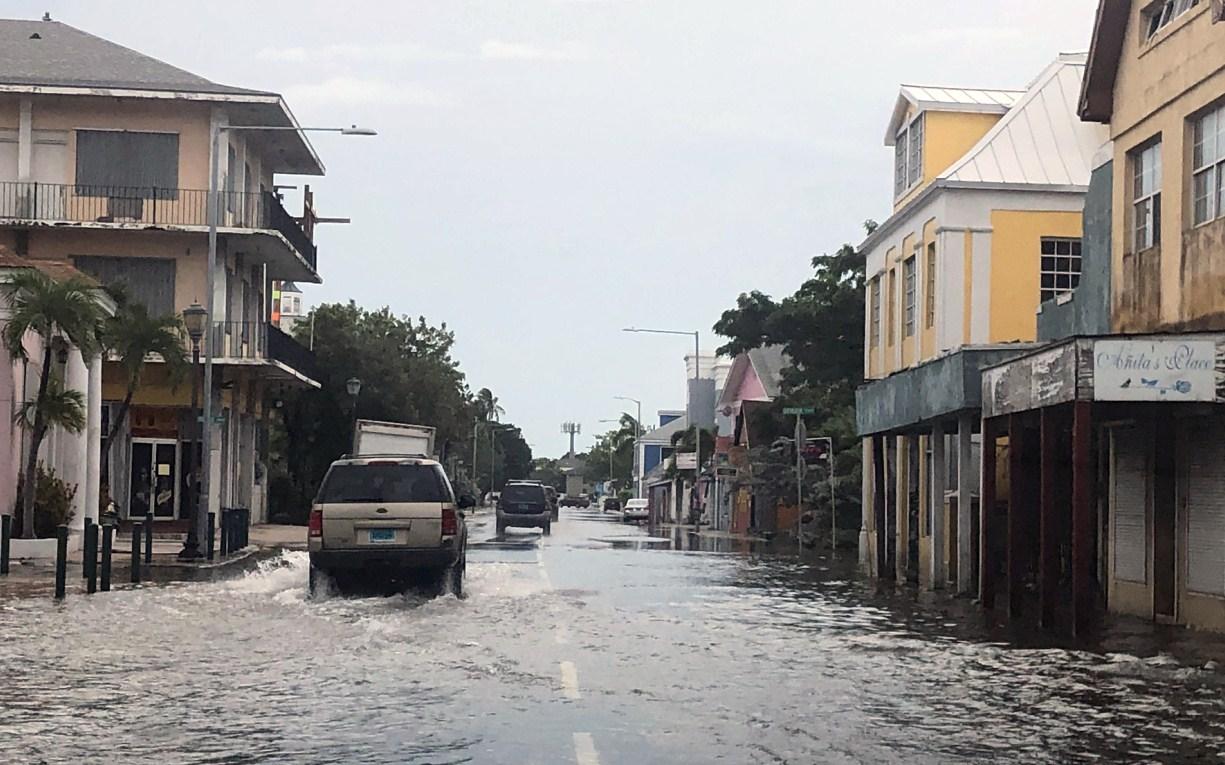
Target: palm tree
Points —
{"points": [[487, 405], [55, 311], [132, 336]]}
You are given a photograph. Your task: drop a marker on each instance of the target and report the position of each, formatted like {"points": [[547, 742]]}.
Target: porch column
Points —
{"points": [[880, 509], [965, 503], [1048, 518], [924, 497], [935, 507], [1018, 543], [93, 438], [1082, 515], [902, 508], [867, 507], [10, 434], [73, 452], [986, 508]]}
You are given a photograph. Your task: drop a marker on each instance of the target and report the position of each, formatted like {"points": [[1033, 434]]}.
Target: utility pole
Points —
{"points": [[571, 429]]}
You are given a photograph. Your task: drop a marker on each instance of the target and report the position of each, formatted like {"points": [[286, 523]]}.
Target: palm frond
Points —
{"points": [[47, 307], [59, 407]]}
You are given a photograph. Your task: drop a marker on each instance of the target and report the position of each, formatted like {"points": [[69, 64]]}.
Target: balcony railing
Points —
{"points": [[150, 206], [256, 340]]}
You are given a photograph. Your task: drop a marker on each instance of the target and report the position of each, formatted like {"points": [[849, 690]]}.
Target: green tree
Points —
{"points": [[56, 312], [132, 335]]}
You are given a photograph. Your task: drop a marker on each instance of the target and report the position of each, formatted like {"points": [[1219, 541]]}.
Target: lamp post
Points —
{"points": [[354, 387], [638, 458], [195, 319], [692, 413], [210, 276]]}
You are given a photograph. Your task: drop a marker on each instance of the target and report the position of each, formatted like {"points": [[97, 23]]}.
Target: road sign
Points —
{"points": [[686, 461], [800, 410]]}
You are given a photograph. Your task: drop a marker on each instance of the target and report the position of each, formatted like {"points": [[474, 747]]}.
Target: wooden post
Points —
{"points": [[965, 503], [902, 509], [1048, 517], [1082, 515], [925, 569], [986, 509], [880, 493], [936, 508], [1017, 494]]}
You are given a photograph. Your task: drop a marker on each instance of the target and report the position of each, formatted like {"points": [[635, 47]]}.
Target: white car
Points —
{"points": [[636, 510]]}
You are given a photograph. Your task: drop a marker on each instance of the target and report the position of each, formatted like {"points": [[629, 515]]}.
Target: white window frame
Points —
{"points": [[929, 287], [1146, 197], [874, 312], [908, 157], [1160, 14], [910, 284], [1073, 248], [1208, 166]]}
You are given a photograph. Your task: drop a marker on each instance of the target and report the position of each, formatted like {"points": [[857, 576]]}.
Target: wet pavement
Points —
{"points": [[595, 645]]}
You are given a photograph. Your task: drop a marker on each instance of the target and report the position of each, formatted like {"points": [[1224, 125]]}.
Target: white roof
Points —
{"points": [[926, 98], [1041, 140]]}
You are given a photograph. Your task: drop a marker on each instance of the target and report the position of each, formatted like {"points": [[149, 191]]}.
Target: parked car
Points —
{"points": [[524, 505], [388, 521], [554, 503], [610, 505], [581, 500], [636, 510]]}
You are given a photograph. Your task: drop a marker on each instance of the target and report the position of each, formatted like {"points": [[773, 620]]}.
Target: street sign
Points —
{"points": [[800, 410], [686, 461]]}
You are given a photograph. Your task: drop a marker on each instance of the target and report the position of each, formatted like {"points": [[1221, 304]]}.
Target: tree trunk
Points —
{"points": [[104, 470], [29, 486]]}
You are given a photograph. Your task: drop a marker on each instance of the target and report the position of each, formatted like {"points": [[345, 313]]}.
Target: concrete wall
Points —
{"points": [[1087, 311]]}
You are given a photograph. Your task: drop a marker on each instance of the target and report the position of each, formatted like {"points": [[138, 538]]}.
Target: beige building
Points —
{"points": [[104, 162]]}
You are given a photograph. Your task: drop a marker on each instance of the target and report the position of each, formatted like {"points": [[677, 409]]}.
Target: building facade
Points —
{"points": [[989, 190], [104, 164]]}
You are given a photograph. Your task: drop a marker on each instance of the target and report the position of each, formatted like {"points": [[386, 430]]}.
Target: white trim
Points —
{"points": [[25, 141], [980, 298]]}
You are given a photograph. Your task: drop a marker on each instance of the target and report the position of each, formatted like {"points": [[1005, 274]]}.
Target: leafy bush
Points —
{"points": [[52, 504]]}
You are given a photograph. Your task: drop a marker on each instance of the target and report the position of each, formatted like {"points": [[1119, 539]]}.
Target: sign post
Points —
{"points": [[801, 438]]}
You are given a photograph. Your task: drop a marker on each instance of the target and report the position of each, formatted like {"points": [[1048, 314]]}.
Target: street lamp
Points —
{"points": [[195, 320], [638, 458], [354, 387], [210, 275], [693, 420]]}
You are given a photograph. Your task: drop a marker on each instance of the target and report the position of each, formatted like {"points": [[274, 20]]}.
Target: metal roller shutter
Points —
{"points": [[1128, 501], [1206, 517]]}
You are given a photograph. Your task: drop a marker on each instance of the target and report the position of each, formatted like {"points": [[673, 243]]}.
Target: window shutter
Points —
{"points": [[1129, 501], [1206, 518]]}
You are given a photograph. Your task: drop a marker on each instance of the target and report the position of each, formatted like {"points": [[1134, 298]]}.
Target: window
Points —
{"points": [[892, 296], [146, 281], [1159, 15], [1060, 266], [874, 312], [908, 302], [119, 163], [1146, 197], [1208, 166], [383, 483], [929, 291], [908, 157]]}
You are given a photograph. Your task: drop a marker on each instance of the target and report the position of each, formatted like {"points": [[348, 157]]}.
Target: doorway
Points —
{"points": [[154, 473]]}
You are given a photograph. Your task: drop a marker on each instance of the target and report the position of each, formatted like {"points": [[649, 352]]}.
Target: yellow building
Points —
{"points": [[104, 164], [988, 191]]}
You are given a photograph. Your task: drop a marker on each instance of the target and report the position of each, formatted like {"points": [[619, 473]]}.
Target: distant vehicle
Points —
{"points": [[373, 437], [610, 505], [581, 500], [636, 510], [524, 505], [554, 503], [387, 521]]}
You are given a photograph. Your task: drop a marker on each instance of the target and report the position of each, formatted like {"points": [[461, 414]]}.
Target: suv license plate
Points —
{"points": [[382, 535]]}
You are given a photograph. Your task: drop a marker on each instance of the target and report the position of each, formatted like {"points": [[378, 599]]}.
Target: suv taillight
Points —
{"points": [[450, 522], [315, 524]]}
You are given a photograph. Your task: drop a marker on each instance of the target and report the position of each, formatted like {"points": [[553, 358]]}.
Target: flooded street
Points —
{"points": [[585, 646]]}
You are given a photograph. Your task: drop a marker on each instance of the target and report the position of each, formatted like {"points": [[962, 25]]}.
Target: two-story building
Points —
{"points": [[104, 164], [1117, 425], [989, 187]]}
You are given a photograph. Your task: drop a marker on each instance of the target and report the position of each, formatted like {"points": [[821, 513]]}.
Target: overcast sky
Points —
{"points": [[550, 171]]}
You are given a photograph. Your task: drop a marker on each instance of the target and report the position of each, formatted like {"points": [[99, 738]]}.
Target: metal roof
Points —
{"points": [[933, 98], [1041, 140], [52, 53]]}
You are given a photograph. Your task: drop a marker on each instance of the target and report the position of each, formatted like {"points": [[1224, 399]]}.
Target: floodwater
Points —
{"points": [[587, 647]]}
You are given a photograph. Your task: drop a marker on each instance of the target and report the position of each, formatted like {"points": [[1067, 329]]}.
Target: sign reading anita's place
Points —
{"points": [[1154, 370]]}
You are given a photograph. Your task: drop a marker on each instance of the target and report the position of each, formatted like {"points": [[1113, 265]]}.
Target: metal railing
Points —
{"points": [[150, 206], [290, 352], [240, 340]]}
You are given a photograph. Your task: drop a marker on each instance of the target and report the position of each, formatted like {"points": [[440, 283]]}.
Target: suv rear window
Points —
{"points": [[522, 493], [384, 483]]}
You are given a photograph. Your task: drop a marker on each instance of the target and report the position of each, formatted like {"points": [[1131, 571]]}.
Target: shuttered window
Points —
{"points": [[1129, 500], [147, 281], [129, 164], [1206, 517]]}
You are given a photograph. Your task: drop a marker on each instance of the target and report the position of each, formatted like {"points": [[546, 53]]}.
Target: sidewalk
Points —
{"points": [[708, 533]]}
